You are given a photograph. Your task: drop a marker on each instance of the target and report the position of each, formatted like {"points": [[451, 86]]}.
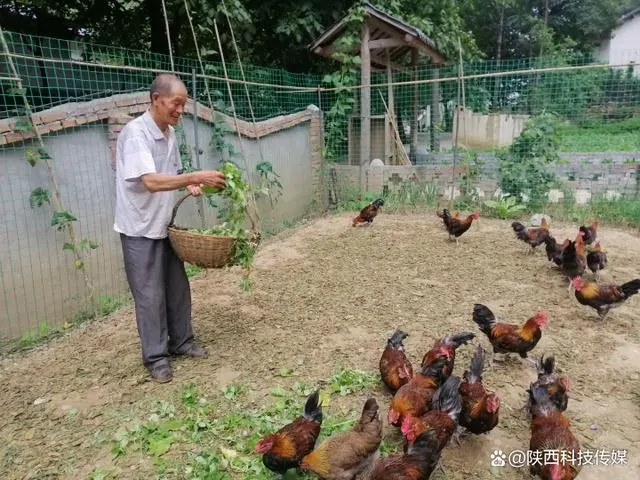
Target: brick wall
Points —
{"points": [[117, 110]]}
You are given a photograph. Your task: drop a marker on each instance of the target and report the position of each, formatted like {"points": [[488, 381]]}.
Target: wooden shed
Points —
{"points": [[386, 43]]}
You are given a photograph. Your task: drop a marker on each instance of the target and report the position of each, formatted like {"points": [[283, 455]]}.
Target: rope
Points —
{"points": [[195, 43], [235, 117], [290, 89], [246, 88], [166, 25]]}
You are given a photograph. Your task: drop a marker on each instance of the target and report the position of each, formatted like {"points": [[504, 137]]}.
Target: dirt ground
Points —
{"points": [[327, 296]]}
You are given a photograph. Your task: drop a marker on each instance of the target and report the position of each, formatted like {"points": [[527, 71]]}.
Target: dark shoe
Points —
{"points": [[193, 350], [161, 373]]}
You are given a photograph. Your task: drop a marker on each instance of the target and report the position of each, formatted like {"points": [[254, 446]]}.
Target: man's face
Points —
{"points": [[170, 107]]}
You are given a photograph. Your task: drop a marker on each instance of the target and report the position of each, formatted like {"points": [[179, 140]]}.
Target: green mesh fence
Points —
{"points": [[558, 133]]}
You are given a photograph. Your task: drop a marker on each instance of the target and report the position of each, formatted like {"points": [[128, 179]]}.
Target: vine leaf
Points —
{"points": [[39, 197], [61, 219], [35, 154]]}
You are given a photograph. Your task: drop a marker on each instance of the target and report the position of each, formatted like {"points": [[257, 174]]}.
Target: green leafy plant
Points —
{"points": [[62, 218], [233, 211], [506, 207], [524, 165]]}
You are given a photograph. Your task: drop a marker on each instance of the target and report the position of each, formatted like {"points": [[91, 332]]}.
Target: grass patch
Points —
{"points": [[194, 436], [45, 331], [601, 137]]}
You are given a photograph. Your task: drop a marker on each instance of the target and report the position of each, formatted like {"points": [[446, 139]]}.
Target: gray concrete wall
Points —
{"points": [[38, 281]]}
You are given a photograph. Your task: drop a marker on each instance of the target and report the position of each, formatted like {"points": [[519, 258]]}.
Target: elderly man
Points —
{"points": [[147, 165]]}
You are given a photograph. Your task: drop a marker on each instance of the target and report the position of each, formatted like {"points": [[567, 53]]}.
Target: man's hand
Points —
{"points": [[212, 178], [194, 190]]}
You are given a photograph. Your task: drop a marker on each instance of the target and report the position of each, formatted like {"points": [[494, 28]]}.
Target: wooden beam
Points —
{"points": [[391, 109], [383, 63], [416, 44], [387, 43], [413, 150], [365, 103]]}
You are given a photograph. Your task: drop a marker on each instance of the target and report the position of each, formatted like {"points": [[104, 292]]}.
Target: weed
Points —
{"points": [[213, 438]]}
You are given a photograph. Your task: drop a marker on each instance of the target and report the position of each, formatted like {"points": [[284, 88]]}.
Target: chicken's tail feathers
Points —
{"points": [[369, 411], [426, 447], [474, 374], [397, 338], [313, 407], [483, 317], [445, 214], [518, 227], [546, 366], [630, 288], [461, 339], [539, 398], [447, 398]]}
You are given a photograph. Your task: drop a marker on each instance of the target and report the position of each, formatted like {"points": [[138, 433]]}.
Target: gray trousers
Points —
{"points": [[162, 297]]}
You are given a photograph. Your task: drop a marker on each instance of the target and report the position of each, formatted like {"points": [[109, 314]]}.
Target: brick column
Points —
{"points": [[316, 136], [115, 127]]}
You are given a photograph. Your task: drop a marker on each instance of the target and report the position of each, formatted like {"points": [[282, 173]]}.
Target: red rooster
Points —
{"points": [[442, 419], [418, 463], [550, 430], [446, 348], [456, 227], [480, 409], [604, 297], [414, 398], [509, 338], [532, 236], [368, 213], [596, 260], [557, 387], [590, 233], [395, 368], [285, 448], [574, 261]]}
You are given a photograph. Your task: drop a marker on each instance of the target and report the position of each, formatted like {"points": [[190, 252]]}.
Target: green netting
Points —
{"points": [[566, 123], [57, 71]]}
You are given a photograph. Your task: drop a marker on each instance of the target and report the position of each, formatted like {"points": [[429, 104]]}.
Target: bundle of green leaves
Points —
{"points": [[232, 211]]}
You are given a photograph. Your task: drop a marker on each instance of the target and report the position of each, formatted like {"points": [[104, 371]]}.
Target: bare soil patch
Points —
{"points": [[326, 296]]}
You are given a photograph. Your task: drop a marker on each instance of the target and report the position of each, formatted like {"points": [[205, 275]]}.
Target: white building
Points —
{"points": [[623, 44]]}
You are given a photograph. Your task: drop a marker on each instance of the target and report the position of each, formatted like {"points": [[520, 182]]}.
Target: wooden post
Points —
{"points": [[413, 151], [435, 112], [365, 102], [392, 115]]}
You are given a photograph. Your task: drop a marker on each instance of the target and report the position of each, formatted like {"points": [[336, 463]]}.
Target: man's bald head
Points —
{"points": [[168, 98], [164, 84]]}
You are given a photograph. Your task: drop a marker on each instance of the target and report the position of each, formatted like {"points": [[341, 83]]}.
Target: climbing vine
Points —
{"points": [[346, 77], [62, 218]]}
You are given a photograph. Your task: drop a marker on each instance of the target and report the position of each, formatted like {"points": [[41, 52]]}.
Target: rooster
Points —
{"points": [[395, 368], [368, 213], [596, 260], [531, 236], [351, 453], [456, 227], [574, 261], [446, 347], [284, 449], [480, 409], [590, 233], [554, 250], [550, 430], [418, 463], [414, 398], [442, 419], [604, 297], [508, 338], [557, 387]]}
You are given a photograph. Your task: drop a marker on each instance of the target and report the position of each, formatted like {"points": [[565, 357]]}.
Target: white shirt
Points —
{"points": [[142, 148]]}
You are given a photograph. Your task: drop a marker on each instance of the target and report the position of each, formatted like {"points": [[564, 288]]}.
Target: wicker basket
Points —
{"points": [[201, 249]]}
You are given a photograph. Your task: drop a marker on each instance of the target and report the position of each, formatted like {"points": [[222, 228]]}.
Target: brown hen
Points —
{"points": [[395, 367]]}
